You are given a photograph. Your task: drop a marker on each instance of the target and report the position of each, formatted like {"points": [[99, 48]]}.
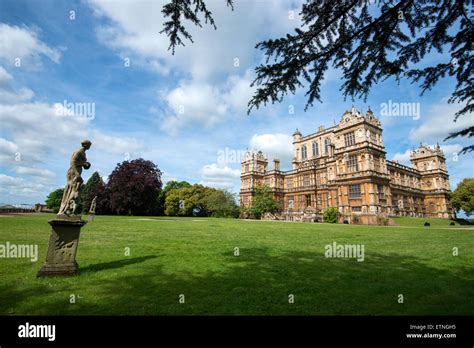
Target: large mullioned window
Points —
{"points": [[327, 143], [349, 138], [306, 180], [315, 149], [352, 163], [304, 152], [354, 191]]}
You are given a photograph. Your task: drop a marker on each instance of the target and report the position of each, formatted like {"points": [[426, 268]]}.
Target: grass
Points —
{"points": [[195, 257], [417, 222]]}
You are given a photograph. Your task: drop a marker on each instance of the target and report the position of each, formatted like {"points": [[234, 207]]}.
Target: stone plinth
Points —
{"points": [[62, 248]]}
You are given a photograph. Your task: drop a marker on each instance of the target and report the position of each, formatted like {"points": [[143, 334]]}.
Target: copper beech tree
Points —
{"points": [[133, 187]]}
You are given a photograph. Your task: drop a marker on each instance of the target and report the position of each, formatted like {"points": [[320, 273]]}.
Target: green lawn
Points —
{"points": [[195, 257]]}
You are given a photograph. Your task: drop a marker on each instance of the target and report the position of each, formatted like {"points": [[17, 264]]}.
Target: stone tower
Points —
{"points": [[254, 168], [361, 168], [434, 181]]}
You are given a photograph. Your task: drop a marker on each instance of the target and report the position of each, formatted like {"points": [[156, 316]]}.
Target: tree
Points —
{"points": [[188, 201], [331, 215], [89, 191], [95, 187], [463, 196], [53, 201], [134, 187], [170, 185], [369, 48], [179, 202], [263, 202], [103, 200], [199, 200], [221, 203], [177, 11]]}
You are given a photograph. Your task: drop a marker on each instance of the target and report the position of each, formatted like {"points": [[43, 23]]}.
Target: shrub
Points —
{"points": [[331, 215], [53, 201], [382, 221], [355, 219], [263, 202]]}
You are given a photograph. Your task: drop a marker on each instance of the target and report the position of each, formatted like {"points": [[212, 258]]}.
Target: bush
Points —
{"points": [[263, 202], [383, 221], [53, 201], [355, 219], [331, 215]]}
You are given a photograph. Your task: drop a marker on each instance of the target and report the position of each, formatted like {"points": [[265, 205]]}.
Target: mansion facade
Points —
{"points": [[344, 166]]}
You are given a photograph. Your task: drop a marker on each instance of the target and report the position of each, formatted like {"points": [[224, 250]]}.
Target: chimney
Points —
{"points": [[276, 164]]}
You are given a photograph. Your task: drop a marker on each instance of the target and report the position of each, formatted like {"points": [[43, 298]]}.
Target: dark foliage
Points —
{"points": [[95, 187], [177, 11], [87, 194], [134, 187]]}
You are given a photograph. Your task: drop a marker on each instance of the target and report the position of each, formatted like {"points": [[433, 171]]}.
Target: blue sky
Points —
{"points": [[183, 112]]}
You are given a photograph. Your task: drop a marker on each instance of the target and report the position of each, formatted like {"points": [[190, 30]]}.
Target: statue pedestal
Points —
{"points": [[62, 248]]}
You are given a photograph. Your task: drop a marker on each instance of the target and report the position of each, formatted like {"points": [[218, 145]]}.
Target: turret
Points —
{"points": [[431, 164], [426, 159]]}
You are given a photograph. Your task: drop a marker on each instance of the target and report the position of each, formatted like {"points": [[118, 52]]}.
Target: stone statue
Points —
{"points": [[74, 180], [66, 227], [93, 205], [92, 209]]}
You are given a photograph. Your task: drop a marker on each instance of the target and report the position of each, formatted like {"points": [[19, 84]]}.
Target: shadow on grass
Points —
{"points": [[115, 264], [259, 282]]}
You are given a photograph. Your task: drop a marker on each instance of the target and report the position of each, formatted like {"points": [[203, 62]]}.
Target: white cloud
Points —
{"points": [[38, 172], [220, 176], [451, 151], [134, 30], [276, 145], [23, 43], [239, 91], [402, 157], [197, 103], [35, 135], [439, 123], [7, 93], [5, 77], [36, 130], [17, 186], [118, 145], [216, 67], [8, 150], [192, 104]]}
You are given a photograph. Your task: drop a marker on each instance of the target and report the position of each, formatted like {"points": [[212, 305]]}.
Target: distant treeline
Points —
{"points": [[135, 188]]}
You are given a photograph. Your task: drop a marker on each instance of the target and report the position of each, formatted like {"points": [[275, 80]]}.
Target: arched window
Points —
{"points": [[315, 149], [304, 152], [327, 142]]}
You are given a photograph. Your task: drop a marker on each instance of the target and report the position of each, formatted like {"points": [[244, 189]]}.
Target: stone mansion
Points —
{"points": [[344, 166]]}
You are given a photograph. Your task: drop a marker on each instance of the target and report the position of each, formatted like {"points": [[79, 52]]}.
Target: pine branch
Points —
{"points": [[179, 10]]}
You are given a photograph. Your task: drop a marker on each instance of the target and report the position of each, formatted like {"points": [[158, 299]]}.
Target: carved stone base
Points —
{"points": [[62, 248]]}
